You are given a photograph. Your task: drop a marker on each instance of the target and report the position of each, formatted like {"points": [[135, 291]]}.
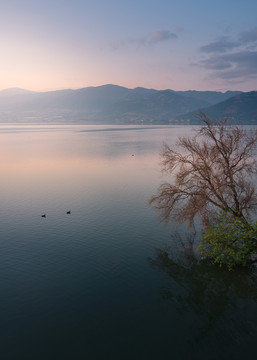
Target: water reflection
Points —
{"points": [[82, 280], [219, 303]]}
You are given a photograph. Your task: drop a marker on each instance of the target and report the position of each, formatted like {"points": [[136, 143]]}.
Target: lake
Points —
{"points": [[106, 281]]}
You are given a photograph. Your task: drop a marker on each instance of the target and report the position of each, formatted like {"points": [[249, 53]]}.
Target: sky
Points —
{"points": [[160, 44]]}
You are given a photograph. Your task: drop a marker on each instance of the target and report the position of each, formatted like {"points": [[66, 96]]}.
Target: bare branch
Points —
{"points": [[214, 169]]}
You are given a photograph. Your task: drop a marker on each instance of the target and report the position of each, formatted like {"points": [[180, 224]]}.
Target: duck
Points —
{"points": [[68, 212], [44, 215]]}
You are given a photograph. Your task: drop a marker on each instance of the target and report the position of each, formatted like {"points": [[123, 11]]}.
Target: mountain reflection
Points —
{"points": [[219, 303]]}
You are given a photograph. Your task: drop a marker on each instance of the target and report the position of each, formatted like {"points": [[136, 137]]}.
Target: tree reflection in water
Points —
{"points": [[219, 306]]}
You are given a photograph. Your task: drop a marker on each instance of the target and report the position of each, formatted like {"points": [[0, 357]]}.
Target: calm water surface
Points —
{"points": [[106, 281]]}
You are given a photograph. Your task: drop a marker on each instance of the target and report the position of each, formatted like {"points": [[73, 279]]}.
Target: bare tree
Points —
{"points": [[213, 170]]}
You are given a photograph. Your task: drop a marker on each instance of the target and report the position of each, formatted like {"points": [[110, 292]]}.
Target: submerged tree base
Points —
{"points": [[215, 170]]}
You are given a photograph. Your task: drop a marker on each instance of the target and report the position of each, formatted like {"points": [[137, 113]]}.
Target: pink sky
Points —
{"points": [[180, 45]]}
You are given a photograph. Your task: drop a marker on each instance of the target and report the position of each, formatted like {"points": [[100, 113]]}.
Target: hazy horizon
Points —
{"points": [[18, 88]]}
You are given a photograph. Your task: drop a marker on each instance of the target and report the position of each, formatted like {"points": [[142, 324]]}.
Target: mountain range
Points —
{"points": [[115, 104], [241, 108]]}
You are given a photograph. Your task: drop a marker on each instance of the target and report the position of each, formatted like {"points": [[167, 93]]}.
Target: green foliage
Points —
{"points": [[229, 242]]}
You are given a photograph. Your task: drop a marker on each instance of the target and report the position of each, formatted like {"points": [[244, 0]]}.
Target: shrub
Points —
{"points": [[230, 242]]}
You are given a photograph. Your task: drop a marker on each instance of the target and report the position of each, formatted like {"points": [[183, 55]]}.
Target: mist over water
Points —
{"points": [[106, 280]]}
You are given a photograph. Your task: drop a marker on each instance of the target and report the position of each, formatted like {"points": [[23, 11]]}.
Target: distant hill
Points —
{"points": [[14, 91], [105, 104], [211, 97], [241, 108]]}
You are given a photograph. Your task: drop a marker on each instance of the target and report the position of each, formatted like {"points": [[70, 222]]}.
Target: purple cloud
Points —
{"points": [[161, 35], [151, 39], [220, 46], [233, 66], [248, 36], [232, 60]]}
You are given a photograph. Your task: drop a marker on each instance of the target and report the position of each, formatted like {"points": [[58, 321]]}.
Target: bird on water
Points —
{"points": [[67, 212]]}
